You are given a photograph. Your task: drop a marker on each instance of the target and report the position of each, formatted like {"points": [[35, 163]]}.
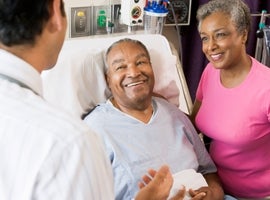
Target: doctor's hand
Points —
{"points": [[156, 185]]}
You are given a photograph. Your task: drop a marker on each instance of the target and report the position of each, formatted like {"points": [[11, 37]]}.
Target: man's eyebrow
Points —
{"points": [[120, 60], [142, 55], [117, 61]]}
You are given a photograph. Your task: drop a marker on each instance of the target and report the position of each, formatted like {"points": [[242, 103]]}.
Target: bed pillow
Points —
{"points": [[77, 81]]}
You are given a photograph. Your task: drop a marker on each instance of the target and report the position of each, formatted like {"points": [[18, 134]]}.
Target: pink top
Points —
{"points": [[237, 119]]}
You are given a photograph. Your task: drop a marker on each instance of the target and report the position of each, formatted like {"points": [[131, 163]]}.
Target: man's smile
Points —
{"points": [[134, 83]]}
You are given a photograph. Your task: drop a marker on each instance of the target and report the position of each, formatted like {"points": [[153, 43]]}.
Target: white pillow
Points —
{"points": [[166, 76], [77, 82]]}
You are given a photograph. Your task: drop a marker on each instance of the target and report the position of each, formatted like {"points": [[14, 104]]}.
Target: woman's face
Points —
{"points": [[221, 43]]}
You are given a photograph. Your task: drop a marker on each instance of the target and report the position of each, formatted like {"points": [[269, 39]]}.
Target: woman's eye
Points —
{"points": [[220, 35], [204, 39]]}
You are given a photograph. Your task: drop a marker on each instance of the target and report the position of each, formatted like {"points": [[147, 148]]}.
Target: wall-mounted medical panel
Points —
{"points": [[80, 21], [102, 19], [99, 17]]}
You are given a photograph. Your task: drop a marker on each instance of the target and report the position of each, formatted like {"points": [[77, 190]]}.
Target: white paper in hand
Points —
{"points": [[188, 178]]}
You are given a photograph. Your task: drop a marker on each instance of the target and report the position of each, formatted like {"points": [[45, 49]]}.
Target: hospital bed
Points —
{"points": [[77, 81]]}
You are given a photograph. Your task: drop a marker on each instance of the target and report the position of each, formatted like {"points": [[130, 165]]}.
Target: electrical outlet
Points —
{"points": [[80, 21]]}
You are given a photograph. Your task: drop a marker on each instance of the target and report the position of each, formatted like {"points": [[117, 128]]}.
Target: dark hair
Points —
{"points": [[22, 20]]}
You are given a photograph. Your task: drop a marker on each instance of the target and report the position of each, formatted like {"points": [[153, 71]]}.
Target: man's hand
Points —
{"points": [[156, 185]]}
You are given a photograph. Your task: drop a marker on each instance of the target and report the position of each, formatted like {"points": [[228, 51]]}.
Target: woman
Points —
{"points": [[232, 105]]}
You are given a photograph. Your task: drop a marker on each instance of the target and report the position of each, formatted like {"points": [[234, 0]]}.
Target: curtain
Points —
{"points": [[193, 60]]}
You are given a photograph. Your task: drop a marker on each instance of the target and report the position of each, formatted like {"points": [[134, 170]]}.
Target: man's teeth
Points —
{"points": [[133, 84]]}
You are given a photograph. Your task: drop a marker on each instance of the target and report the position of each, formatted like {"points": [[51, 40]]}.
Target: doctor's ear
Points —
{"points": [[57, 19]]}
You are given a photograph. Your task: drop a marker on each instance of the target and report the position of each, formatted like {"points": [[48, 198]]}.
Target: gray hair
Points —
{"points": [[238, 11], [137, 42]]}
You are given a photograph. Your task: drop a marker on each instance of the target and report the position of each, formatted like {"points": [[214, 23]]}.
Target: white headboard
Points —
{"points": [[77, 82]]}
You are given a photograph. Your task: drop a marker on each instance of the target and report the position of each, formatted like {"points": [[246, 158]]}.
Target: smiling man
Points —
{"points": [[141, 131], [130, 78]]}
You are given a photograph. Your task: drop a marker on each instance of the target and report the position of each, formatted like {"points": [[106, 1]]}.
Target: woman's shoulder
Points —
{"points": [[258, 63], [261, 69]]}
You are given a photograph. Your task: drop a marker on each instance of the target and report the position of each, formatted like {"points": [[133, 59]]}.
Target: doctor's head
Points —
{"points": [[129, 75], [21, 21], [37, 26]]}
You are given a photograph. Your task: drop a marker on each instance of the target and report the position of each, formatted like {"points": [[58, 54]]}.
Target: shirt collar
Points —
{"points": [[21, 71]]}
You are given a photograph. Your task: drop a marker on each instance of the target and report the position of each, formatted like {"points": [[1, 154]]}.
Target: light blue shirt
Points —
{"points": [[133, 146]]}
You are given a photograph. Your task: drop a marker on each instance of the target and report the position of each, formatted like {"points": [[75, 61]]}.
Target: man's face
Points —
{"points": [[130, 76]]}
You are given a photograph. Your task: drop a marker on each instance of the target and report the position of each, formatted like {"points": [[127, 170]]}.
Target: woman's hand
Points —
{"points": [[214, 190]]}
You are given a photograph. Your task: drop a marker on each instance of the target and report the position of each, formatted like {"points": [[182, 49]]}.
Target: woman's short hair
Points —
{"points": [[237, 10]]}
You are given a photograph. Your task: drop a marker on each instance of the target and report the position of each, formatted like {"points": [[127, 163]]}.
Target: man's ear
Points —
{"points": [[107, 78], [57, 19]]}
